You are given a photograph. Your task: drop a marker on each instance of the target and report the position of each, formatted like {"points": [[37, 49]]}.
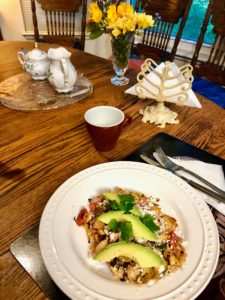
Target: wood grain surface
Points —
{"points": [[40, 150]]}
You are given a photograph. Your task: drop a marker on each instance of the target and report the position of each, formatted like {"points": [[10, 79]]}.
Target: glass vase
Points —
{"points": [[121, 46]]}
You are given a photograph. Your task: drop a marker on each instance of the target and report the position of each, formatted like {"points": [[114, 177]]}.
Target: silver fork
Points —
{"points": [[169, 164]]}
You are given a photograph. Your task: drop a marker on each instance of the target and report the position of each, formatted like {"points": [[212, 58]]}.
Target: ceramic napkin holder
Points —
{"points": [[164, 83]]}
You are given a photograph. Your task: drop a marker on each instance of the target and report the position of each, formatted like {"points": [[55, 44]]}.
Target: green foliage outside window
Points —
{"points": [[194, 23]]}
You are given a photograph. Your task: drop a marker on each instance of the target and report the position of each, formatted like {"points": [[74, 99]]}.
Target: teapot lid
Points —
{"points": [[36, 54]]}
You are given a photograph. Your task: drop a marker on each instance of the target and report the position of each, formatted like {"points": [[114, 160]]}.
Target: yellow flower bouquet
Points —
{"points": [[119, 19]]}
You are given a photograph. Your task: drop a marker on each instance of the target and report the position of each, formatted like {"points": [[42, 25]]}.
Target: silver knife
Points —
{"points": [[198, 186]]}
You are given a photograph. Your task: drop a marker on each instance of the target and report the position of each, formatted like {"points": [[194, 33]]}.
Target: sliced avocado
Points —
{"points": [[135, 211], [139, 228], [111, 196], [114, 196], [145, 257]]}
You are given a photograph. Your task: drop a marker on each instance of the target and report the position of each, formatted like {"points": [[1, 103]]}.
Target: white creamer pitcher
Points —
{"points": [[61, 74], [35, 63]]}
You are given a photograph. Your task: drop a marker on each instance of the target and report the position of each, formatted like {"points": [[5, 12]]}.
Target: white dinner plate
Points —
{"points": [[64, 245]]}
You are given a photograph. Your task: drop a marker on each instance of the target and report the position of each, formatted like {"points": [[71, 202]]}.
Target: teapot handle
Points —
{"points": [[21, 57], [65, 70]]}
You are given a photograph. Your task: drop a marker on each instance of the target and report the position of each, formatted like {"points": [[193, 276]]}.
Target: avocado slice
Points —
{"points": [[145, 257], [111, 196], [114, 196], [135, 211], [139, 229]]}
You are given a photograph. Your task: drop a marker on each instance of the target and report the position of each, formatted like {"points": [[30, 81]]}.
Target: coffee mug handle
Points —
{"points": [[127, 121]]}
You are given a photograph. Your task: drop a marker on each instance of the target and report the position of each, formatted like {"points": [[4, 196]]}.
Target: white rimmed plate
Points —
{"points": [[64, 245]]}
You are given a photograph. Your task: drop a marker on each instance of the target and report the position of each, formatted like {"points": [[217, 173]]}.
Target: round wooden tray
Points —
{"points": [[21, 92]]}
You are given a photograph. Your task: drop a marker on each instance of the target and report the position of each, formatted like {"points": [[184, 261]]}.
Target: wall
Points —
{"points": [[100, 47], [11, 20]]}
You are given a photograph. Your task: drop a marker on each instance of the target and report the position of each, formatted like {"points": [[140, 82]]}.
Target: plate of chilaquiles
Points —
{"points": [[128, 230]]}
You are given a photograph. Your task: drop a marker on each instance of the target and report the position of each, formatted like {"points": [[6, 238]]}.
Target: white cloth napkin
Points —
{"points": [[192, 99], [211, 172]]}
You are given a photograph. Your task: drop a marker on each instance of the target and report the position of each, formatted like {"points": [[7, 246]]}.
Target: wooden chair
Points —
{"points": [[60, 22], [214, 68], [155, 40]]}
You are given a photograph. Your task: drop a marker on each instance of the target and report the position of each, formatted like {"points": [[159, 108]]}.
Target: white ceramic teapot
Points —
{"points": [[35, 62], [61, 74]]}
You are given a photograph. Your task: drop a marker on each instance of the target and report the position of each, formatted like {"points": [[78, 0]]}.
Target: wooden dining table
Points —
{"points": [[40, 150]]}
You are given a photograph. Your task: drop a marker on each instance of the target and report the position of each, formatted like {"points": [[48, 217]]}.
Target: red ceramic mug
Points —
{"points": [[104, 125]]}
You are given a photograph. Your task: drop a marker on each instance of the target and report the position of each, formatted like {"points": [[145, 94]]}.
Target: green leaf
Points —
{"points": [[92, 27], [148, 221], [127, 197], [149, 217], [95, 34], [126, 231], [126, 202], [113, 225], [113, 205]]}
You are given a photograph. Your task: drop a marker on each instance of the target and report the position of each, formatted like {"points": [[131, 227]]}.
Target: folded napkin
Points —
{"points": [[211, 172], [192, 99]]}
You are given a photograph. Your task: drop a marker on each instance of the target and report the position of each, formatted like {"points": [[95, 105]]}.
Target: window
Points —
{"points": [[194, 23], [27, 16]]}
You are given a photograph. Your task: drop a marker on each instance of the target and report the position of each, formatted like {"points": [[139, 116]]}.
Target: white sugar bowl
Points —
{"points": [[35, 62]]}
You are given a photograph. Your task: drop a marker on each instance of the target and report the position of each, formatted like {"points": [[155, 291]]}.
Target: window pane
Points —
{"points": [[194, 23]]}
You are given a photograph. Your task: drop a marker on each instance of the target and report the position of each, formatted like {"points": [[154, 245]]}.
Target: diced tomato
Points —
{"points": [[174, 241], [95, 202], [82, 217], [143, 201]]}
